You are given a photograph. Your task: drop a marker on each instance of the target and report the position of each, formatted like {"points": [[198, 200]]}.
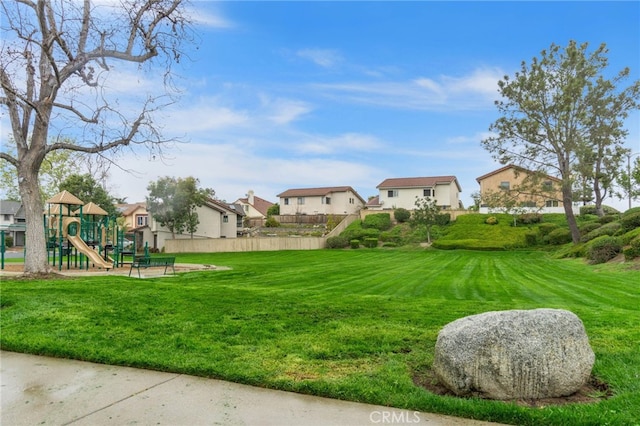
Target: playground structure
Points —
{"points": [[82, 233]]}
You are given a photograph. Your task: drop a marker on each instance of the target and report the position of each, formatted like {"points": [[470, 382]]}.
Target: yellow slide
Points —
{"points": [[82, 247], [92, 254]]}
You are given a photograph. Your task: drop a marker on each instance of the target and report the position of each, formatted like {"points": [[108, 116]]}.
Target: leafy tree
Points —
{"points": [[173, 202], [426, 213], [273, 210], [629, 179], [88, 190], [558, 106], [55, 60]]}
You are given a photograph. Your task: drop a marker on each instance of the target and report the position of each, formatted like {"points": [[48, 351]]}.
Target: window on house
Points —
{"points": [[225, 219], [427, 192], [246, 208], [352, 200], [547, 185], [300, 200], [505, 185], [551, 203], [286, 201], [327, 200], [142, 220], [528, 204], [392, 193], [7, 217]]}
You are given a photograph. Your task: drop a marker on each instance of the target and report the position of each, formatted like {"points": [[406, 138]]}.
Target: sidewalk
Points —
{"points": [[41, 390]]}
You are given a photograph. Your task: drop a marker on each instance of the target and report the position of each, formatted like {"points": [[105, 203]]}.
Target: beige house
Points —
{"points": [[217, 220], [519, 187], [254, 207], [339, 200], [402, 192], [135, 215]]}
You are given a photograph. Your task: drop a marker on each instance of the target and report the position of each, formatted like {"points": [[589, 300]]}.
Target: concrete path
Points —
{"points": [[49, 391]]}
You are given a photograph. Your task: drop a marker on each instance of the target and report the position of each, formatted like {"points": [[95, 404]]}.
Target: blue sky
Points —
{"points": [[283, 95]]}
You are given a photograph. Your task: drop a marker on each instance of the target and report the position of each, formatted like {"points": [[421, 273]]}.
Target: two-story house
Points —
{"points": [[513, 186], [338, 200], [135, 215], [217, 219], [13, 222], [402, 192], [255, 208]]}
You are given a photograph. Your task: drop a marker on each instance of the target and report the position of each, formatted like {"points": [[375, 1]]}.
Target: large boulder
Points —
{"points": [[518, 354]]}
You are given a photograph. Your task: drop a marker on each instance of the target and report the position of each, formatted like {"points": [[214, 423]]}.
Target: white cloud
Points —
{"points": [[348, 142], [326, 58]]}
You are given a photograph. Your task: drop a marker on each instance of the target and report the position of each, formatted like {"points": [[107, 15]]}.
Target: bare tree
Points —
{"points": [[56, 58]]}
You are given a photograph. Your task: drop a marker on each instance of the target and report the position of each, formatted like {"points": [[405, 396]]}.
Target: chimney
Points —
{"points": [[250, 196]]}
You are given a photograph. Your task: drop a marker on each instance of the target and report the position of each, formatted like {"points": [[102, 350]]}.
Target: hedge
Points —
{"points": [[603, 249]]}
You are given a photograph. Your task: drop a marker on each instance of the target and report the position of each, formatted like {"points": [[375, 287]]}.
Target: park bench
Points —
{"points": [[150, 262]]}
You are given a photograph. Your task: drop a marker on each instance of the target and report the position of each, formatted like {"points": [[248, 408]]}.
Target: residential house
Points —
{"points": [[402, 192], [255, 208], [135, 215], [513, 186], [217, 219], [13, 222], [338, 200]]}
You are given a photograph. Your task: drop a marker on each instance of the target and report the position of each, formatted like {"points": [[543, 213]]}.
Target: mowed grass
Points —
{"points": [[350, 324]]}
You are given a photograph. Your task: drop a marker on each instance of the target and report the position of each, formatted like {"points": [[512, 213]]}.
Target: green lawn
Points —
{"points": [[349, 324]]}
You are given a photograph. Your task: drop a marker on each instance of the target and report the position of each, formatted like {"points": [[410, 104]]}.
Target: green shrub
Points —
{"points": [[627, 237], [379, 221], [491, 220], [354, 244], [337, 242], [443, 219], [531, 238], [271, 222], [402, 215], [389, 244], [603, 249], [546, 228], [631, 211], [588, 227], [529, 218], [355, 232], [630, 221], [468, 244], [633, 250], [585, 210], [370, 242], [558, 237], [608, 218], [8, 241], [606, 229]]}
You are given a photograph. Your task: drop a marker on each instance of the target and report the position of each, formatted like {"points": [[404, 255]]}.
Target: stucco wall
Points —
{"points": [[243, 244], [445, 195]]}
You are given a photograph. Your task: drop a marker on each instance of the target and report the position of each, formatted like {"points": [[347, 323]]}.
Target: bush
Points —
{"points": [[629, 236], [531, 238], [608, 218], [529, 218], [633, 251], [631, 211], [354, 244], [585, 210], [603, 249], [491, 220], [546, 228], [370, 242], [337, 242], [443, 219], [271, 222], [558, 237], [630, 221], [8, 241], [402, 215], [607, 229], [588, 227], [379, 221]]}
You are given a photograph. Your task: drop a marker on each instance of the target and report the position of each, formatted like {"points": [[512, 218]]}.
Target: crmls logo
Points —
{"points": [[394, 417]]}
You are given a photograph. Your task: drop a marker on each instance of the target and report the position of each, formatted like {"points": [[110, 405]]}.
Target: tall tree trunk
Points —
{"points": [[36, 258], [567, 203]]}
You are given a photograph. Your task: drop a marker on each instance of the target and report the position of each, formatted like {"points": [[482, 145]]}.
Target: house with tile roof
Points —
{"points": [[519, 187], [254, 206], [135, 215], [334, 200], [402, 192]]}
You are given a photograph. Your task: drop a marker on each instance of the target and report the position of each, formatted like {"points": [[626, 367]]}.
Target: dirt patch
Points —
{"points": [[593, 391]]}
